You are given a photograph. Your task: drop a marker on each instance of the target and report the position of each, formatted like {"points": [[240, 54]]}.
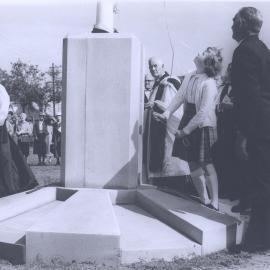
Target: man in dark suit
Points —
{"points": [[251, 88]]}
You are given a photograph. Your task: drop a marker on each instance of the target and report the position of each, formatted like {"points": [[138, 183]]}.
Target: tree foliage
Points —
{"points": [[26, 83]]}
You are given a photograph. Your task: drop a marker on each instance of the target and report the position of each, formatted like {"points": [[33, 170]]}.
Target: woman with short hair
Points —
{"points": [[24, 132], [197, 129]]}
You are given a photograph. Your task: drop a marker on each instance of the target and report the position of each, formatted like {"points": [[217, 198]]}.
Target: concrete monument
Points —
{"points": [[102, 111]]}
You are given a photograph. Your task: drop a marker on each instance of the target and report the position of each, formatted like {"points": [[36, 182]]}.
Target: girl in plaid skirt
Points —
{"points": [[197, 129]]}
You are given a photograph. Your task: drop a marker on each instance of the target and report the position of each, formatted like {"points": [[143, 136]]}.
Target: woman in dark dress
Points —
{"points": [[15, 174], [40, 132]]}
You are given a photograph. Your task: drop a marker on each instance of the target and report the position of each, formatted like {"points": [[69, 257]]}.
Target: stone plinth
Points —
{"points": [[103, 111], [82, 229]]}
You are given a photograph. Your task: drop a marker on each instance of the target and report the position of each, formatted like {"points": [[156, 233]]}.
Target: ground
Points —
{"points": [[217, 261]]}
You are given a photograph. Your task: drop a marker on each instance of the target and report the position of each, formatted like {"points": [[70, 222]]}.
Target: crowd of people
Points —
{"points": [[219, 125], [43, 134]]}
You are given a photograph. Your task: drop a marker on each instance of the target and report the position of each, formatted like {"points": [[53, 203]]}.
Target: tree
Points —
{"points": [[5, 79], [26, 84]]}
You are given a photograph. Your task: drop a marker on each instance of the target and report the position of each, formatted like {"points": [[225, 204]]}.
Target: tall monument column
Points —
{"points": [[102, 112]]}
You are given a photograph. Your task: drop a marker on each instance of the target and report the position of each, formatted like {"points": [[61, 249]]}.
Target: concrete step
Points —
{"points": [[225, 206], [19, 203], [83, 228], [13, 229], [12, 232], [209, 228], [143, 237]]}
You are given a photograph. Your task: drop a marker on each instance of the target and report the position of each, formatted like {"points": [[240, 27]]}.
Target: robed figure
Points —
{"points": [[159, 137], [15, 174]]}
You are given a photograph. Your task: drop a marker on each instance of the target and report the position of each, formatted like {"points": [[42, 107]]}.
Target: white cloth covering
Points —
{"points": [[4, 104]]}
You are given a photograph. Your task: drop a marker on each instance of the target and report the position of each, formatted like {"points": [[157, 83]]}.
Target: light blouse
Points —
{"points": [[202, 91]]}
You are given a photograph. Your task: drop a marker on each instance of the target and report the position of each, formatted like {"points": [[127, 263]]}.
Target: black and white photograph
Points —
{"points": [[134, 135]]}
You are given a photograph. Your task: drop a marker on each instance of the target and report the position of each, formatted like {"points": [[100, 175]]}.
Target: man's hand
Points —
{"points": [[241, 147], [149, 105], [159, 117], [179, 134]]}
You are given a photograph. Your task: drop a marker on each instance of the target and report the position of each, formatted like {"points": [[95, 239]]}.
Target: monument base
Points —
{"points": [[110, 227]]}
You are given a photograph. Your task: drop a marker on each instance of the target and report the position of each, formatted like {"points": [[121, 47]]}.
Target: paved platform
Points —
{"points": [[112, 226], [143, 237], [213, 230]]}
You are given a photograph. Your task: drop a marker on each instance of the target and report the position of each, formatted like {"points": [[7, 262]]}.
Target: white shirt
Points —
{"points": [[40, 125], [4, 104], [202, 93], [24, 128]]}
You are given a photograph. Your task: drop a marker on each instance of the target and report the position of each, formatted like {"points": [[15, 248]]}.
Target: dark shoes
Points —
{"points": [[212, 207], [240, 208]]}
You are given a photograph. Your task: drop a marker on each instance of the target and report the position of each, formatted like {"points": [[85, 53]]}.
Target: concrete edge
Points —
{"points": [[169, 218], [20, 203]]}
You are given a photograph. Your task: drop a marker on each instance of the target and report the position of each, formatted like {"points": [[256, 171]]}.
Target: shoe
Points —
{"points": [[212, 207], [240, 208]]}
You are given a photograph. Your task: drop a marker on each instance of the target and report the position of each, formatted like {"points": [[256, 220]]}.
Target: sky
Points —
{"points": [[33, 31]]}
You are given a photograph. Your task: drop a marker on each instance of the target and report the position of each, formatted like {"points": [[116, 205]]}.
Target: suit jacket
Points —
{"points": [[251, 88]]}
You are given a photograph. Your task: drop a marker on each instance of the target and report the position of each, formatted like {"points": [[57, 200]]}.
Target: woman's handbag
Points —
{"points": [[26, 138]]}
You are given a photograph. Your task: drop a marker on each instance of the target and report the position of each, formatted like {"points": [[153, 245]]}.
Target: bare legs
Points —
{"points": [[204, 178], [212, 183], [199, 182]]}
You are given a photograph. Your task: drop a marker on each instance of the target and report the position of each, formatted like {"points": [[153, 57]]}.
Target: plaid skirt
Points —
{"points": [[197, 146], [201, 142]]}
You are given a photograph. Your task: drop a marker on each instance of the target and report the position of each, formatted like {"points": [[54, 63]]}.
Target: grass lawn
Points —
{"points": [[221, 260]]}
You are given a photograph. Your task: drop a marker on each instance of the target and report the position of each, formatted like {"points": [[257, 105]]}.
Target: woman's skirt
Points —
{"points": [[24, 146], [40, 145], [197, 146]]}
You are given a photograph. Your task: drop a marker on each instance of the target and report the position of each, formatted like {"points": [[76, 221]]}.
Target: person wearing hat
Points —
{"points": [[15, 174], [57, 137], [40, 133]]}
